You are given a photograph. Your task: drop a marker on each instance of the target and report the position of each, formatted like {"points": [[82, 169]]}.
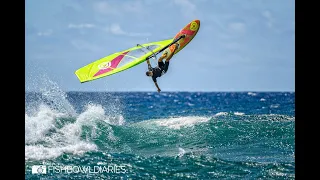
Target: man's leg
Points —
{"points": [[172, 49], [160, 62], [166, 66], [164, 55]]}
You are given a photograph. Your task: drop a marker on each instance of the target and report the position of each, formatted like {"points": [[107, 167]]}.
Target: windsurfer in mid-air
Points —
{"points": [[162, 68]]}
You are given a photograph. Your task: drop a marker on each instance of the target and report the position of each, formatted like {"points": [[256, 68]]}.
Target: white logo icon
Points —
{"points": [[39, 169], [104, 65]]}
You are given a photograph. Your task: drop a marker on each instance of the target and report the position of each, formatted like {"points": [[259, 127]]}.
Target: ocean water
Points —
{"points": [[167, 135]]}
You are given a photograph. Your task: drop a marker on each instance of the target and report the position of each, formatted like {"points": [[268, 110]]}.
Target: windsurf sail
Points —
{"points": [[154, 56], [120, 61]]}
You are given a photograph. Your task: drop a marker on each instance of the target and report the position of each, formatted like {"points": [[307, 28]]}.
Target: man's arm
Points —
{"points": [[157, 86], [149, 65]]}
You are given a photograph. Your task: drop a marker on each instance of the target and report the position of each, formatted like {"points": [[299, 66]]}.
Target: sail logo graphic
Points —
{"points": [[104, 65], [193, 26]]}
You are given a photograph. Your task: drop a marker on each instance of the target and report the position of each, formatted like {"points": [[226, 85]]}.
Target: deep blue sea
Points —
{"points": [[167, 135]]}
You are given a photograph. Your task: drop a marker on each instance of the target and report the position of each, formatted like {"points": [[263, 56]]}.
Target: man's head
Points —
{"points": [[149, 73]]}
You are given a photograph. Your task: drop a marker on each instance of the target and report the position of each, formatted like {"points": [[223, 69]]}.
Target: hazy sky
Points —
{"points": [[242, 45]]}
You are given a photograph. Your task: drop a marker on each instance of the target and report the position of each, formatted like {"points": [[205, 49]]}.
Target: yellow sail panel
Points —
{"points": [[119, 61]]}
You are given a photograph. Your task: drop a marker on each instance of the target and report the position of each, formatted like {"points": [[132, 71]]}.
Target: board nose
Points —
{"points": [[197, 21]]}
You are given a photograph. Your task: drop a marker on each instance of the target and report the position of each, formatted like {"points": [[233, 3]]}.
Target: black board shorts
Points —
{"points": [[163, 66]]}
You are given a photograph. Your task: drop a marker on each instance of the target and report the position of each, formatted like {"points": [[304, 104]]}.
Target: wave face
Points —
{"points": [[171, 135]]}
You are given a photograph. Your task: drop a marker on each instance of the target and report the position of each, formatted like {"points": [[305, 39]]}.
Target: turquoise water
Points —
{"points": [[167, 135]]}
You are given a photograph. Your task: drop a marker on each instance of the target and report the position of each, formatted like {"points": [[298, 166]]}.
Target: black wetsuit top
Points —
{"points": [[160, 70]]}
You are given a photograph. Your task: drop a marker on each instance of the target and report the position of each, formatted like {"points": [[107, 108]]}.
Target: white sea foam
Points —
{"points": [[221, 114], [274, 105], [51, 92], [37, 126], [40, 152], [53, 127], [42, 128], [190, 104], [181, 152], [252, 94], [238, 113], [178, 122]]}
